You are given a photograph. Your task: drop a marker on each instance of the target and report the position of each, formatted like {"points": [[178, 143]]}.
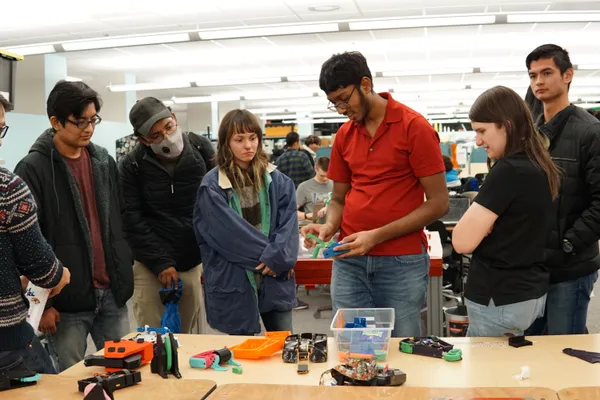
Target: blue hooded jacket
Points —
{"points": [[230, 247]]}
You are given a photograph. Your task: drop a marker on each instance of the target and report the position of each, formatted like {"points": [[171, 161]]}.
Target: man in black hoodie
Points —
{"points": [[160, 178], [573, 137], [76, 187]]}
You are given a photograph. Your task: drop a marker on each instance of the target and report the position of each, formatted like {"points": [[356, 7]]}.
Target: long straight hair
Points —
{"points": [[234, 122], [505, 108]]}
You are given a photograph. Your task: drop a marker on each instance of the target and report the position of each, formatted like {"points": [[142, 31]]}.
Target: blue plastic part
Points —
{"points": [[329, 252], [360, 322], [215, 365], [197, 363], [162, 331], [33, 378]]}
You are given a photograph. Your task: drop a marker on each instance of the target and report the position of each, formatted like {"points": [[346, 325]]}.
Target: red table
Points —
{"points": [[317, 271]]}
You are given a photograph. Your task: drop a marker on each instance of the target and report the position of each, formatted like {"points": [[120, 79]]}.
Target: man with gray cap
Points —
{"points": [[160, 178]]}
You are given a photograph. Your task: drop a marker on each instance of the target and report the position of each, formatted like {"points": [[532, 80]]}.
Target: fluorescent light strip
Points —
{"points": [[448, 121], [268, 31], [237, 81], [125, 41], [31, 50], [423, 22], [315, 121], [149, 86], [285, 116], [400, 73], [552, 17]]}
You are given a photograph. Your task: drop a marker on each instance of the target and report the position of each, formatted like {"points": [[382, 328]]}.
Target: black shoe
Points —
{"points": [[301, 305]]}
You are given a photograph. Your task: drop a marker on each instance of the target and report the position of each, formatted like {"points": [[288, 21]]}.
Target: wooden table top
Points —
{"points": [[579, 393], [287, 392], [52, 387], [487, 362]]}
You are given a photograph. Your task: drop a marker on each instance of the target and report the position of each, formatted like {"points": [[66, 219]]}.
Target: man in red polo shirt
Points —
{"points": [[384, 162]]}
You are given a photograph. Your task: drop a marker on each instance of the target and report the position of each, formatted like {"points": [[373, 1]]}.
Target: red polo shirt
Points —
{"points": [[384, 172]]}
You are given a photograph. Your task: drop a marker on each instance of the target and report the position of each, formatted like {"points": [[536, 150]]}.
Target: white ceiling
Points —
{"points": [[412, 51]]}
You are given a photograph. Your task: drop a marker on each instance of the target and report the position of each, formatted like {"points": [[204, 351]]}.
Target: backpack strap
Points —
{"points": [[204, 147]]}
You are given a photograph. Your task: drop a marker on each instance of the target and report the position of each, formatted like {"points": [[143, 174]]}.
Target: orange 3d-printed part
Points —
{"points": [[253, 349]]}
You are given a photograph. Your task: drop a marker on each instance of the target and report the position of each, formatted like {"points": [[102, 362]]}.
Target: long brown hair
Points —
{"points": [[504, 107], [241, 121]]}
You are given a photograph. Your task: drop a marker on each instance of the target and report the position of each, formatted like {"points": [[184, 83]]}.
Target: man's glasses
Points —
{"points": [[158, 136], [342, 105], [3, 131], [84, 124]]}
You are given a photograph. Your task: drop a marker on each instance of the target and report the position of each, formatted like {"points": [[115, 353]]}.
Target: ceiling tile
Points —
{"points": [[346, 37], [574, 5], [295, 40], [475, 9], [533, 6]]}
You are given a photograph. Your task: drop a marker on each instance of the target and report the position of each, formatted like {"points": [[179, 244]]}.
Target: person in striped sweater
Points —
{"points": [[23, 253]]}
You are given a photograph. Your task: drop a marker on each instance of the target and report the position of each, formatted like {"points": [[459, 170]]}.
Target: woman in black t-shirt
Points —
{"points": [[505, 228]]}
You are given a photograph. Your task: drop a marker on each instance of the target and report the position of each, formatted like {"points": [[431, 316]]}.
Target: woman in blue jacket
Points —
{"points": [[246, 225]]}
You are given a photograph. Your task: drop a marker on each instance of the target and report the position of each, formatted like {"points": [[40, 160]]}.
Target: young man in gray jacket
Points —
{"points": [[76, 187]]}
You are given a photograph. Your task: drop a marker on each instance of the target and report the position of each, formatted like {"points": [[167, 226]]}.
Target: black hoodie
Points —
{"points": [[62, 220]]}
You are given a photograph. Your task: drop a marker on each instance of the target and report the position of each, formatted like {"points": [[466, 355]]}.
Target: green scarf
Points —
{"points": [[265, 216]]}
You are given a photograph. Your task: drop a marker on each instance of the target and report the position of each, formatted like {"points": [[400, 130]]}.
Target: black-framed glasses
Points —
{"points": [[342, 105], [3, 131], [84, 124]]}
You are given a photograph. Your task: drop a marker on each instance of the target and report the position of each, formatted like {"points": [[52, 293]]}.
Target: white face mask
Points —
{"points": [[171, 146]]}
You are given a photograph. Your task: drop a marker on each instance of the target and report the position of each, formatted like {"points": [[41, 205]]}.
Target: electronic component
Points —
{"points": [[317, 344], [430, 346]]}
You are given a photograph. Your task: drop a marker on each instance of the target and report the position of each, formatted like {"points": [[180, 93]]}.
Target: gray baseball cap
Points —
{"points": [[145, 113]]}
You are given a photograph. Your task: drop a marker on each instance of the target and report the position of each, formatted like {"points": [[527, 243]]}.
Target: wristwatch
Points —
{"points": [[567, 246]]}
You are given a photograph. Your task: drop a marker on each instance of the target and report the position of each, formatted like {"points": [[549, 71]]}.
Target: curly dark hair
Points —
{"points": [[343, 70]]}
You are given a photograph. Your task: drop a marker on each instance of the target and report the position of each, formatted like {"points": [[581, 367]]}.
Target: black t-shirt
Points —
{"points": [[507, 264]]}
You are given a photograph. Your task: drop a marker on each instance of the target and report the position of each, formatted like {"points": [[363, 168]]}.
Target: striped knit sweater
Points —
{"points": [[23, 251]]}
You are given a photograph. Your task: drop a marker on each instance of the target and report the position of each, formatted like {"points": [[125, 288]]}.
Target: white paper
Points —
{"points": [[37, 297]]}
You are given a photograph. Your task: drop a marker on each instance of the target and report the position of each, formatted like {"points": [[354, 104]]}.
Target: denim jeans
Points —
{"points": [[34, 356], [398, 282], [498, 321], [108, 322], [566, 307]]}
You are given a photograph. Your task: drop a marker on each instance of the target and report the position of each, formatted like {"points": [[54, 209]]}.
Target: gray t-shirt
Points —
{"points": [[310, 192]]}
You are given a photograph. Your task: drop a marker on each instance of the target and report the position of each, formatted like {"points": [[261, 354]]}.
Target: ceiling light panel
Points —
{"points": [[268, 31], [125, 41], [423, 22], [149, 86], [31, 50], [553, 17]]}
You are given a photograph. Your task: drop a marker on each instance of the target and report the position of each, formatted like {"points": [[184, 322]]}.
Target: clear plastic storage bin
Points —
{"points": [[372, 341]]}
